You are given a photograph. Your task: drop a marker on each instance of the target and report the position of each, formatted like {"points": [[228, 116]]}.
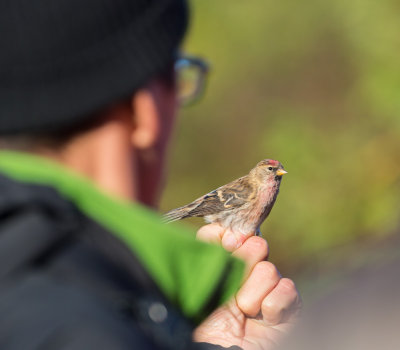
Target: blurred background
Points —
{"points": [[315, 85]]}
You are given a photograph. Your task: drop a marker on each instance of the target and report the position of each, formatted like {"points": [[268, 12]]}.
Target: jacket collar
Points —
{"points": [[189, 272]]}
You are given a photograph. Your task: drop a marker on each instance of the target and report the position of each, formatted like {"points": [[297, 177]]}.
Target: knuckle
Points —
{"points": [[288, 288], [283, 303], [268, 304], [267, 269], [272, 312], [245, 305], [260, 244], [288, 285]]}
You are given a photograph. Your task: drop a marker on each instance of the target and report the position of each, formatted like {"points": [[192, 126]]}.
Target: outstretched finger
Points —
{"points": [[211, 233], [215, 233]]}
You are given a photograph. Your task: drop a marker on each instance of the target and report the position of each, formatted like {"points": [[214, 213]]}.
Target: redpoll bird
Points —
{"points": [[241, 205]]}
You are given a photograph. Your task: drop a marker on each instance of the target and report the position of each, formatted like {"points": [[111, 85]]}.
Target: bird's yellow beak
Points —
{"points": [[281, 172]]}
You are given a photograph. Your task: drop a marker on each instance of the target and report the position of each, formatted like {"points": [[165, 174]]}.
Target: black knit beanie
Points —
{"points": [[61, 60]]}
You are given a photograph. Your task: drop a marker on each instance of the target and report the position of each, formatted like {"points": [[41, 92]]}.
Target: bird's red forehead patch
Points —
{"points": [[272, 162]]}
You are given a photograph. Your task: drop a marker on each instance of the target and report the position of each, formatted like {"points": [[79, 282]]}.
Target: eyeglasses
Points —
{"points": [[191, 73]]}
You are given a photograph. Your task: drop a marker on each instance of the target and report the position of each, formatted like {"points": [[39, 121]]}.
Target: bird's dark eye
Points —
{"points": [[270, 168]]}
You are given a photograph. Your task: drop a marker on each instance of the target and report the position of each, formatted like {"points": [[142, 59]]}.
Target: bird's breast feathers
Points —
{"points": [[249, 216]]}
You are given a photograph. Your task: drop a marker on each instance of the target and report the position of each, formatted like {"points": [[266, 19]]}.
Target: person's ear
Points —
{"points": [[146, 119]]}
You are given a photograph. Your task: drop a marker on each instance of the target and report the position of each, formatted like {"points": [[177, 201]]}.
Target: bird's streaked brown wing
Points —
{"points": [[227, 197]]}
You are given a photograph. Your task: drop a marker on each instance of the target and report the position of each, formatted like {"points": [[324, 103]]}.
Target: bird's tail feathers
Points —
{"points": [[175, 214]]}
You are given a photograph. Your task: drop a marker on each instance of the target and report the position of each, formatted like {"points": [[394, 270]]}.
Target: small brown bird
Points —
{"points": [[241, 205]]}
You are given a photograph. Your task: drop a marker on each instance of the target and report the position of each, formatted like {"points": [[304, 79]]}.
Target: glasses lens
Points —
{"points": [[190, 74], [188, 83]]}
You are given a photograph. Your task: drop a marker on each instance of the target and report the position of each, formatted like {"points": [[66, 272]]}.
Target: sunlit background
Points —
{"points": [[315, 85]]}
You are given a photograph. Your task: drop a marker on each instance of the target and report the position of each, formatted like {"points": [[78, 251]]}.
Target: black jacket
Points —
{"points": [[67, 283]]}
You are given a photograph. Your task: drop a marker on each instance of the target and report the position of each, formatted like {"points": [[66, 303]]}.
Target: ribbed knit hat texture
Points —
{"points": [[61, 60]]}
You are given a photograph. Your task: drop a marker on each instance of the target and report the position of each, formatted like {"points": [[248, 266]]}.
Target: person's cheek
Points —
{"points": [[153, 163]]}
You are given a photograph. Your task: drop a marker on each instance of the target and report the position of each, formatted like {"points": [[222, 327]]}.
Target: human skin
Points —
{"points": [[264, 308]]}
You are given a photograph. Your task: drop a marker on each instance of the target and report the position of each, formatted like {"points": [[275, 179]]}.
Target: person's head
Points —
{"points": [[92, 84]]}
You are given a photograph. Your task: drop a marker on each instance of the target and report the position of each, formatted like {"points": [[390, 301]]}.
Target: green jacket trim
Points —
{"points": [[186, 270]]}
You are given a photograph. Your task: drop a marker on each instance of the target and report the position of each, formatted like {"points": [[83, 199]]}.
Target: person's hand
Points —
{"points": [[265, 306]]}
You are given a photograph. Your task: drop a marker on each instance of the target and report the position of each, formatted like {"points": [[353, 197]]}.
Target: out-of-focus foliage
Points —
{"points": [[316, 85]]}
